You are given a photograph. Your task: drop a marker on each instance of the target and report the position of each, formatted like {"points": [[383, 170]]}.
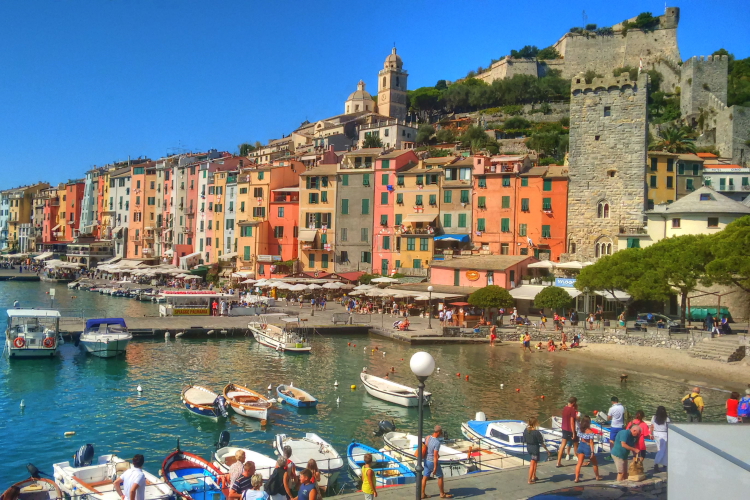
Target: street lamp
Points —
{"points": [[422, 365], [429, 309]]}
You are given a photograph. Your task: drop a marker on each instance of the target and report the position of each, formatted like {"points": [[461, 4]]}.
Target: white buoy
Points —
{"points": [[438, 369], [269, 387], [291, 384], [501, 386], [210, 332], [364, 349], [179, 335], [336, 384], [383, 353], [338, 400], [166, 334], [23, 405], [364, 369], [70, 433], [139, 388]]}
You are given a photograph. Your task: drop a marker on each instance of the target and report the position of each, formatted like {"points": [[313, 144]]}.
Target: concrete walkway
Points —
{"points": [[512, 484]]}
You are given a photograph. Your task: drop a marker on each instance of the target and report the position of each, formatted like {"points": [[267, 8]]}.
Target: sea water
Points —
{"points": [[97, 398]]}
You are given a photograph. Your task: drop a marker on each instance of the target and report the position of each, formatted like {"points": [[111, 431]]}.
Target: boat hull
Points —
{"points": [[190, 477], [477, 436], [202, 406], [264, 465], [29, 352], [246, 402], [294, 401], [39, 489], [309, 448], [105, 349], [390, 396], [394, 472], [269, 341]]}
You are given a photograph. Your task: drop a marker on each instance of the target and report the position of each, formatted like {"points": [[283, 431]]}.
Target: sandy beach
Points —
{"points": [[670, 363]]}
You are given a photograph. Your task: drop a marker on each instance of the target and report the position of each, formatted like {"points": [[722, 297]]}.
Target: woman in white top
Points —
{"points": [[659, 423], [256, 492]]}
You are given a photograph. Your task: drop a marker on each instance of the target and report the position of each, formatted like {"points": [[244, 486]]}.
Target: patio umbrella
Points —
{"points": [[298, 288], [573, 265], [543, 264], [346, 286], [314, 287], [249, 281], [283, 286], [365, 287], [334, 285], [384, 279]]}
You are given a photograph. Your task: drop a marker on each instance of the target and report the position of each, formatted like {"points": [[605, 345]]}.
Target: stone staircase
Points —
{"points": [[726, 349]]}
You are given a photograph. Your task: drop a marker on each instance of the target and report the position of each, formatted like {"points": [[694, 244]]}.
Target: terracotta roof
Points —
{"points": [[444, 160], [321, 169], [364, 151], [557, 171], [690, 157], [706, 155], [395, 154], [482, 262]]}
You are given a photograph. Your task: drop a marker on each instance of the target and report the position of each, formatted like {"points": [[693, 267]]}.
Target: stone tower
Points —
{"points": [[392, 87], [701, 77], [608, 146]]}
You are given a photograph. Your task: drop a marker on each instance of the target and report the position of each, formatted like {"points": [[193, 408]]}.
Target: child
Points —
{"points": [[539, 346], [368, 479], [563, 346], [586, 447], [533, 439], [307, 489]]}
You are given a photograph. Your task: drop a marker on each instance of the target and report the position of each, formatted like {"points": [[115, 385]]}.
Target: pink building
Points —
{"points": [[482, 270]]}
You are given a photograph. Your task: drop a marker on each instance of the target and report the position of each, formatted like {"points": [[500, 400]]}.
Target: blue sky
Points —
{"points": [[85, 83]]}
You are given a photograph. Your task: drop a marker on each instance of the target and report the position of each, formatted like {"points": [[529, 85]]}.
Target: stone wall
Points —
{"points": [[701, 77], [653, 337], [607, 160], [508, 67], [732, 131]]}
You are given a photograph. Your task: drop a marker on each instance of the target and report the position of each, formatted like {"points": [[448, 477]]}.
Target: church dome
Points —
{"points": [[360, 94], [393, 60]]}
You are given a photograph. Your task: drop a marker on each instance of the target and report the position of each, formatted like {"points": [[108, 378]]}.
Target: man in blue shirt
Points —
{"points": [[625, 441]]}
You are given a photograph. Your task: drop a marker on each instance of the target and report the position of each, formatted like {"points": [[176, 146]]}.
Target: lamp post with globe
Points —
{"points": [[422, 364]]}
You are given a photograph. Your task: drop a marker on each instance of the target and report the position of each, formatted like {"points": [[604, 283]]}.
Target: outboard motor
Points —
{"points": [[84, 456], [220, 407], [384, 427], [601, 417], [223, 440], [33, 471]]}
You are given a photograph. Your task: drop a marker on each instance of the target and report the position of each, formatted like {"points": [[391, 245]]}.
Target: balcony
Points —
{"points": [[633, 230]]}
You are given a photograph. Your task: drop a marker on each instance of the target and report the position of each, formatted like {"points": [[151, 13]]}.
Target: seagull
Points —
{"points": [[179, 335], [139, 388], [23, 405], [166, 334], [338, 400], [336, 384], [210, 332], [269, 387]]}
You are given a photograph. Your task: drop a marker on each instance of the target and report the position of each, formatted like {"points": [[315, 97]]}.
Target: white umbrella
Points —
{"points": [[298, 288], [261, 282], [543, 264], [375, 293], [283, 286], [365, 287], [384, 279], [334, 285], [357, 292], [273, 284], [314, 287], [193, 277], [249, 281], [346, 286]]}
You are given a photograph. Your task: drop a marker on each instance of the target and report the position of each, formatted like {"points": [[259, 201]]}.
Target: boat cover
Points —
{"points": [[92, 324]]}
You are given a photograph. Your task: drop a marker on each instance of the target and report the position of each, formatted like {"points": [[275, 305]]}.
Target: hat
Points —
{"points": [[747, 391], [614, 399]]}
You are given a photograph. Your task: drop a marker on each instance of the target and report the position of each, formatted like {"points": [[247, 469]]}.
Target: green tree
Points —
{"points": [[674, 140], [730, 256], [425, 133], [548, 53], [445, 135], [612, 272], [246, 148], [526, 52], [365, 279], [425, 101], [491, 296], [441, 85], [590, 75], [553, 297], [372, 141]]}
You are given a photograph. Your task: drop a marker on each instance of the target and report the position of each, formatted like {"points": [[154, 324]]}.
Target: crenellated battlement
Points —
{"points": [[718, 59], [609, 83], [715, 102]]}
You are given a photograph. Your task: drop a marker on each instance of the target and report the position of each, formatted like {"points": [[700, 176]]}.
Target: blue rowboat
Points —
{"points": [[204, 402], [191, 477], [295, 397], [388, 471]]}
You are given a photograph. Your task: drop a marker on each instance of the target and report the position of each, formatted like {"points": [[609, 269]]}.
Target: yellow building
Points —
{"points": [[661, 178], [253, 196], [316, 217], [416, 210], [20, 209]]}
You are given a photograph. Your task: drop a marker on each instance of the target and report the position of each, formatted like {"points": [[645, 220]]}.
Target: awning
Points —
{"points": [[619, 295], [43, 256], [307, 235], [461, 238], [574, 265], [286, 190], [111, 261], [529, 292], [420, 217], [228, 256], [56, 227]]}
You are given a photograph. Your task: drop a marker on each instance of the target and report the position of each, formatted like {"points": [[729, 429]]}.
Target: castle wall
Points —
{"points": [[670, 71], [702, 76], [508, 68], [732, 131], [605, 53], [607, 160]]}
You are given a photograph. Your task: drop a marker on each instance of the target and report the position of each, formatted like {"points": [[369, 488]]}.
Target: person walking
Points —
{"points": [[693, 405], [493, 335], [625, 441], [616, 414], [542, 321], [621, 319], [527, 342], [733, 404], [131, 485], [568, 427], [534, 439], [368, 479], [586, 448], [432, 461], [279, 486], [743, 408], [659, 423]]}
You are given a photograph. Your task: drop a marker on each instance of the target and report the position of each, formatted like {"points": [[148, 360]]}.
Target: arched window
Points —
{"points": [[602, 247], [383, 82], [602, 210]]}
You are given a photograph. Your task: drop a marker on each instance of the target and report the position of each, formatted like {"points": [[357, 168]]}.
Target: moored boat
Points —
{"points": [[36, 488], [32, 333], [97, 480], [313, 447], [225, 457], [388, 471], [390, 391], [191, 477], [283, 339], [403, 446], [505, 434], [204, 402], [296, 397], [106, 337], [246, 402]]}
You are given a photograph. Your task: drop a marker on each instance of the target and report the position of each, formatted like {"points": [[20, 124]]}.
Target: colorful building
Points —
{"points": [[142, 214], [456, 200], [689, 174], [317, 222], [69, 213], [661, 186], [20, 210], [480, 271]]}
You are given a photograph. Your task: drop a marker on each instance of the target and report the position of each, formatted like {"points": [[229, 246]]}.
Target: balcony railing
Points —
{"points": [[633, 230]]}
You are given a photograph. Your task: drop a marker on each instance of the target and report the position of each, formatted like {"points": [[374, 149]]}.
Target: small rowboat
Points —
{"points": [[313, 447], [38, 489], [224, 458], [390, 391], [388, 471], [296, 397], [246, 402], [190, 477], [204, 402]]}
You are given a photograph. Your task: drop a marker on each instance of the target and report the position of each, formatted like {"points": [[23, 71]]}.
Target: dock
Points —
{"points": [[14, 275]]}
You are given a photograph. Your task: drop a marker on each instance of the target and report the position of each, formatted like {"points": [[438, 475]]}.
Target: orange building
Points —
{"points": [[142, 211]]}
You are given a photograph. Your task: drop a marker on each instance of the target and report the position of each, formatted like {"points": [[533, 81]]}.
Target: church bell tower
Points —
{"points": [[392, 87]]}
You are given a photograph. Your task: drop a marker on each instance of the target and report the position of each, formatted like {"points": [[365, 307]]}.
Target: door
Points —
{"points": [[512, 278], [384, 267], [456, 277]]}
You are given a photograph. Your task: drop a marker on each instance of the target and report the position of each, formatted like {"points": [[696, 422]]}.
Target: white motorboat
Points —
{"points": [[106, 337], [313, 447], [403, 446], [505, 434], [32, 333], [225, 457], [387, 390], [283, 339], [97, 480], [246, 402]]}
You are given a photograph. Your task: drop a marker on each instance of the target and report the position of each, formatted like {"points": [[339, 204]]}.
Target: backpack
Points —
{"points": [[743, 408], [275, 483], [688, 404]]}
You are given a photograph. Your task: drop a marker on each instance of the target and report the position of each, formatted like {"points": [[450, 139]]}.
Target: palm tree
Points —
{"points": [[674, 140], [372, 141]]}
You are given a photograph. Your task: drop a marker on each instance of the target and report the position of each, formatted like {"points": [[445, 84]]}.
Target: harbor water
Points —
{"points": [[97, 398]]}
